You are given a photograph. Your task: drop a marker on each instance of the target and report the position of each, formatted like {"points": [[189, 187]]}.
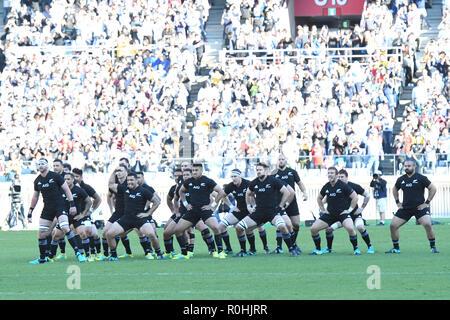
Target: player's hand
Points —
{"points": [[305, 197], [359, 211], [73, 211], [78, 217], [325, 211], [30, 220], [235, 209], [142, 215], [189, 207], [345, 212], [399, 205], [422, 206]]}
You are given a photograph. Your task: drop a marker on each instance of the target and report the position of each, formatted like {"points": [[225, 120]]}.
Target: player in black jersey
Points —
{"points": [[51, 185], [265, 205], [120, 177], [337, 195], [135, 215], [144, 241], [237, 189], [199, 207], [292, 178], [173, 205], [413, 186], [76, 222], [356, 215], [91, 229]]}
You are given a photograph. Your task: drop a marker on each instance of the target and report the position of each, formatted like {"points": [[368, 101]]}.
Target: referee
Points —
{"points": [[414, 204]]}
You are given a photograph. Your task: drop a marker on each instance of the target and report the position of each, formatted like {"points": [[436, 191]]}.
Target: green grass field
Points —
{"points": [[414, 274]]}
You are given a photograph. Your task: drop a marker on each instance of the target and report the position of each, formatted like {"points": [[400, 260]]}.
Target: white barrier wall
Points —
{"points": [[440, 207]]}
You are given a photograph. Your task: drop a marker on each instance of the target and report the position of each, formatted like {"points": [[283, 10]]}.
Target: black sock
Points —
{"points": [[366, 238], [182, 242], [396, 244], [98, 246], [242, 242], [144, 244], [279, 240], [316, 240], [330, 238], [432, 243], [149, 243], [191, 239], [92, 245], [354, 241], [113, 253], [288, 240], [205, 235], [105, 246], [79, 243], [168, 244], [219, 244], [49, 240], [126, 244], [53, 248], [251, 241], [62, 245], [73, 242], [85, 243], [263, 236], [226, 239], [294, 236], [42, 248]]}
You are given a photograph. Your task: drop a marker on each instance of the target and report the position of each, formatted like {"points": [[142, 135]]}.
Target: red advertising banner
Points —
{"points": [[309, 8]]}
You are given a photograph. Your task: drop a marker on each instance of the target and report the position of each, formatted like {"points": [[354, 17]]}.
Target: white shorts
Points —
{"points": [[381, 204]]}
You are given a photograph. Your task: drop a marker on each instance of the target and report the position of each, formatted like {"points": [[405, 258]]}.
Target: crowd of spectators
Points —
{"points": [[320, 108], [93, 105], [424, 133]]}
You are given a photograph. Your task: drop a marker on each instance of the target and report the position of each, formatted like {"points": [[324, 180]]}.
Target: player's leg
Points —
{"points": [[43, 233], [425, 221], [63, 221], [282, 222], [82, 232], [182, 225], [145, 241], [126, 244], [263, 236], [206, 235], [147, 230], [229, 219], [114, 230], [347, 223], [295, 221], [213, 224], [105, 241], [359, 225], [168, 233], [399, 219], [317, 226], [329, 234]]}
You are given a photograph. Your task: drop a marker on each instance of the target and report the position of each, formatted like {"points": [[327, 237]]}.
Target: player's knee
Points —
{"points": [[241, 226]]}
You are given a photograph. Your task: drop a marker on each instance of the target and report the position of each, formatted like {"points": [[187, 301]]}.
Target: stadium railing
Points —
{"points": [[271, 55], [357, 165]]}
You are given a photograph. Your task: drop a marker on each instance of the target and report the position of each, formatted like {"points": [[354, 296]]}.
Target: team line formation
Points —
{"points": [[270, 197]]}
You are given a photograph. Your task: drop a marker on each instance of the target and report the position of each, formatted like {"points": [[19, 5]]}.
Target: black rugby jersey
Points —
{"points": [[238, 193], [88, 188], [413, 189], [50, 188], [79, 196], [267, 192], [135, 200], [338, 196], [288, 175], [119, 199], [199, 190], [358, 189]]}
